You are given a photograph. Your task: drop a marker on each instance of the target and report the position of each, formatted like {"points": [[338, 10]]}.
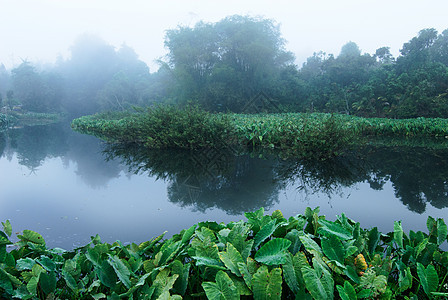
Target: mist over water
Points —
{"points": [[69, 187]]}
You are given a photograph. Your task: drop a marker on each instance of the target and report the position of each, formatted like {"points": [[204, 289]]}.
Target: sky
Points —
{"points": [[41, 30]]}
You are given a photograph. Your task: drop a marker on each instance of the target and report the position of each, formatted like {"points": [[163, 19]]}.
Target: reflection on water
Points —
{"points": [[243, 183], [234, 184], [69, 186]]}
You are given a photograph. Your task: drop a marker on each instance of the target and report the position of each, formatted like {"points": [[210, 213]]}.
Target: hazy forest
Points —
{"points": [[221, 66]]}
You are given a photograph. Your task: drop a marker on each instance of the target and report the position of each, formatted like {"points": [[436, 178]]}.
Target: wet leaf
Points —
{"points": [[267, 285], [273, 252], [231, 257], [428, 278], [223, 288]]}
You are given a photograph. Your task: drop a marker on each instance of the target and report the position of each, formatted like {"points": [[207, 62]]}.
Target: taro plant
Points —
{"points": [[263, 257], [314, 135]]}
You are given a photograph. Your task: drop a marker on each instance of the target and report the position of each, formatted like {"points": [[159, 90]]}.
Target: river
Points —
{"points": [[69, 187]]}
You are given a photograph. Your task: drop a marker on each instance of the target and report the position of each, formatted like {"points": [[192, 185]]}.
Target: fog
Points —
{"points": [[42, 30], [83, 57]]}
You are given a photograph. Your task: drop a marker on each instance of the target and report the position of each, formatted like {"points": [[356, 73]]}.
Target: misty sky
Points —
{"points": [[40, 30]]}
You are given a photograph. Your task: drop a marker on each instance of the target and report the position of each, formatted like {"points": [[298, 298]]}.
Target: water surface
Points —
{"points": [[69, 187]]}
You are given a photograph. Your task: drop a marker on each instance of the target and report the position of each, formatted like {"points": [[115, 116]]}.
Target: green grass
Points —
{"points": [[264, 257]]}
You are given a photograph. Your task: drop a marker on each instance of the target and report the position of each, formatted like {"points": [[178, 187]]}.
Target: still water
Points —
{"points": [[69, 187]]}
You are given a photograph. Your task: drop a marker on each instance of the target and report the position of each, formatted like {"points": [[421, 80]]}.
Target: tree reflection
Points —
{"points": [[33, 144], [2, 143], [86, 151], [243, 182], [239, 183], [206, 179], [418, 175]]}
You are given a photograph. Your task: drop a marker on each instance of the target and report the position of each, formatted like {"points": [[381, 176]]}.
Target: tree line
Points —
{"points": [[227, 65]]}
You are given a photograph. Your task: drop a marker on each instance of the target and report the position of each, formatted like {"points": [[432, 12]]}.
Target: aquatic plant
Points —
{"points": [[316, 135], [265, 257]]}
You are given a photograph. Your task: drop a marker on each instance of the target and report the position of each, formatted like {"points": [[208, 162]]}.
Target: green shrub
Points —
{"points": [[265, 257], [160, 127]]}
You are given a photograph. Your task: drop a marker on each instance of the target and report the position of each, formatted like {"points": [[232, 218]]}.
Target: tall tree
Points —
{"points": [[28, 87], [224, 65]]}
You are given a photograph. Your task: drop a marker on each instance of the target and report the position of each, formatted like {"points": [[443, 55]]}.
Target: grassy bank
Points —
{"points": [[28, 119], [300, 134], [265, 257]]}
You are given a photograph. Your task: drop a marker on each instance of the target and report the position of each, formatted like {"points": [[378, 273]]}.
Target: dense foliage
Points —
{"points": [[223, 65], [298, 134], [321, 135], [412, 85], [265, 257], [226, 66]]}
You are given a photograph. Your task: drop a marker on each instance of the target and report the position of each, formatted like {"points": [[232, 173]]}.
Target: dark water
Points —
{"points": [[69, 187]]}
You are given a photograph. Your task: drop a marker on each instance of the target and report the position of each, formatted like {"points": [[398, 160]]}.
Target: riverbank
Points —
{"points": [[19, 119], [297, 134], [264, 257]]}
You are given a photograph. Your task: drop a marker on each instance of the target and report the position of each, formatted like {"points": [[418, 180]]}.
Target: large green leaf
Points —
{"points": [[347, 292], [237, 237], [265, 232], [294, 237], [207, 255], [421, 246], [5, 282], [345, 222], [186, 237], [70, 281], [169, 252], [7, 228], [273, 252], [267, 285], [428, 278], [47, 263], [442, 231], [332, 228], [256, 215], [163, 282], [25, 264], [318, 281], [223, 288], [121, 270], [405, 279], [290, 274], [31, 236], [206, 235], [31, 286], [333, 248], [376, 284], [106, 274], [247, 276], [310, 245], [351, 273], [4, 239], [398, 234], [231, 257], [182, 270], [373, 239], [48, 282]]}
